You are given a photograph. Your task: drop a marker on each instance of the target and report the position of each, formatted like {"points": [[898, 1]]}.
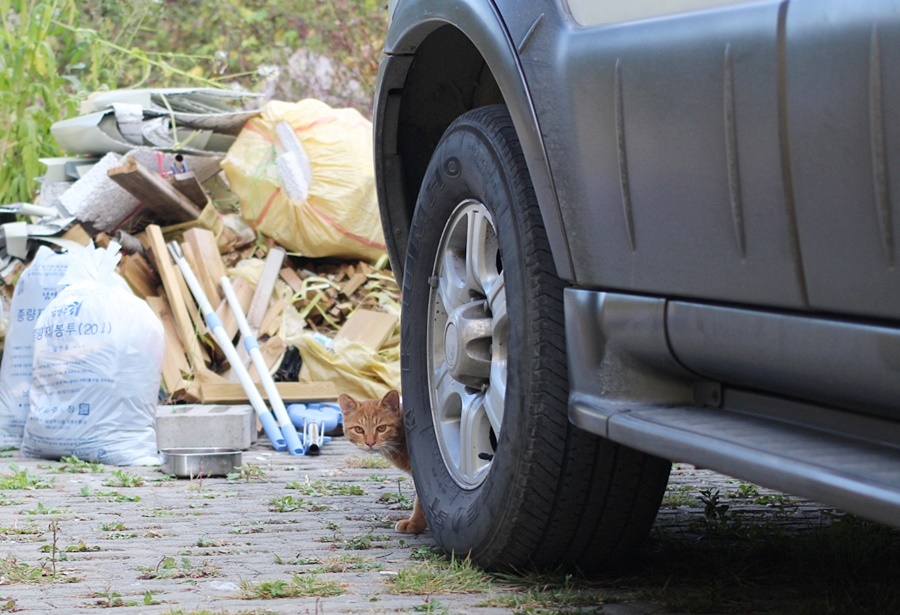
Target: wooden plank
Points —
{"points": [[142, 283], [271, 322], [174, 363], [292, 279], [207, 262], [188, 185], [153, 191], [368, 327], [244, 292], [266, 286], [232, 393], [350, 286], [77, 234], [172, 283], [261, 297]]}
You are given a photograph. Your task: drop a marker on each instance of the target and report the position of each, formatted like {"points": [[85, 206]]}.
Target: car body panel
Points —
{"points": [[718, 190]]}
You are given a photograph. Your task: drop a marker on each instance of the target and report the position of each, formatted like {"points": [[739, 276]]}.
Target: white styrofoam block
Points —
{"points": [[198, 425]]}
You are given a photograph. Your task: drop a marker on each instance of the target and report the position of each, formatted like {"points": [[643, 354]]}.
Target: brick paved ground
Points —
{"points": [[187, 545]]}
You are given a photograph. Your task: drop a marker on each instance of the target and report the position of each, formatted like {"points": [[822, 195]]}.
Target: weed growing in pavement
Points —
{"points": [[440, 577], [349, 563], [248, 473], [365, 541], [377, 478], [428, 553], [678, 497], [366, 462], [6, 501], [713, 510], [110, 599], [323, 488], [74, 465], [744, 491], [170, 568], [297, 561], [396, 501], [536, 593], [118, 526], [40, 509], [121, 478], [13, 572], [300, 586], [289, 503], [15, 531], [21, 479], [431, 605], [109, 496]]}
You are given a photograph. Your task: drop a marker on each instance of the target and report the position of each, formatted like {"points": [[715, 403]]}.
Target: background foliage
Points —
{"points": [[53, 53]]}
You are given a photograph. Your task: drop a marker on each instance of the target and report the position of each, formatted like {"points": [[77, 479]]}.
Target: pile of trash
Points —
{"points": [[202, 237]]}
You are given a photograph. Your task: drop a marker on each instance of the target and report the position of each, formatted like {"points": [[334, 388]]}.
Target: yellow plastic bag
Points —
{"points": [[340, 217], [353, 368]]}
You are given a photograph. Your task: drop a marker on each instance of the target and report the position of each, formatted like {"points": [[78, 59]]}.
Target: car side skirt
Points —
{"points": [[657, 378]]}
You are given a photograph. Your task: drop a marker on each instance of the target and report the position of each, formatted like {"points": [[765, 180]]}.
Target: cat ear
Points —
{"points": [[391, 399], [347, 403]]}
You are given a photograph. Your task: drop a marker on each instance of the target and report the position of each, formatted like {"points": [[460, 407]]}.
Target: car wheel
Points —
{"points": [[501, 473]]}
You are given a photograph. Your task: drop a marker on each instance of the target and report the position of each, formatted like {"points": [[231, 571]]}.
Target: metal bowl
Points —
{"points": [[200, 462]]}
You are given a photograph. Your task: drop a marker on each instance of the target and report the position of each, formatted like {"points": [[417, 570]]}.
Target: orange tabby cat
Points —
{"points": [[377, 425]]}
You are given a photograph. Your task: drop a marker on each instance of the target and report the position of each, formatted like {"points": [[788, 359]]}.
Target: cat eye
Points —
{"points": [[359, 429], [381, 428]]}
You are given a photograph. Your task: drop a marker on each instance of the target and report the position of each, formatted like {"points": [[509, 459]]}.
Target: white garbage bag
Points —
{"points": [[37, 286], [98, 353]]}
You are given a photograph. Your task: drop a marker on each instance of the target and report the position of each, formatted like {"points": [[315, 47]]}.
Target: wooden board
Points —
{"points": [[188, 185], [172, 283], [350, 286], [232, 393], [207, 265], [244, 292], [154, 193], [261, 297], [138, 275], [174, 361], [368, 327], [273, 319], [292, 279]]}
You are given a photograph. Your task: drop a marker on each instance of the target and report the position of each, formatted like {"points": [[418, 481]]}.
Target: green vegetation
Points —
{"points": [[170, 568], [53, 53], [325, 488], [300, 586], [13, 572], [440, 577], [121, 478], [365, 541], [74, 465], [21, 479], [289, 503], [366, 462], [248, 473]]}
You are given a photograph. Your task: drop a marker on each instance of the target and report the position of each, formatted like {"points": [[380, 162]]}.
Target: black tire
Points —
{"points": [[551, 494]]}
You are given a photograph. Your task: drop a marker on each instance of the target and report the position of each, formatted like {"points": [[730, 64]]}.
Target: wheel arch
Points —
{"points": [[437, 66]]}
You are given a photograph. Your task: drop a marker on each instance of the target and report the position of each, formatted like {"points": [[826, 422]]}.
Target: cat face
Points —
{"points": [[374, 425]]}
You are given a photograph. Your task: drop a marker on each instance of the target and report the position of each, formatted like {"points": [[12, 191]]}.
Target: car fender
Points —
{"points": [[413, 21]]}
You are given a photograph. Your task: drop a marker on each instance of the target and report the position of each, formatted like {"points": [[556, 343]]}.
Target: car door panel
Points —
{"points": [[845, 151], [676, 149]]}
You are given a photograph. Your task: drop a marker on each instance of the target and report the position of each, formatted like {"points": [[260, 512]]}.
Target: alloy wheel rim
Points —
{"points": [[468, 343]]}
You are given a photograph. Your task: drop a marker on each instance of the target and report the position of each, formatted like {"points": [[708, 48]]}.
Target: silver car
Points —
{"points": [[636, 232]]}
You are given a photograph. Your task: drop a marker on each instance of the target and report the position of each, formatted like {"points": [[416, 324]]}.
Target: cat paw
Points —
{"points": [[410, 526]]}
